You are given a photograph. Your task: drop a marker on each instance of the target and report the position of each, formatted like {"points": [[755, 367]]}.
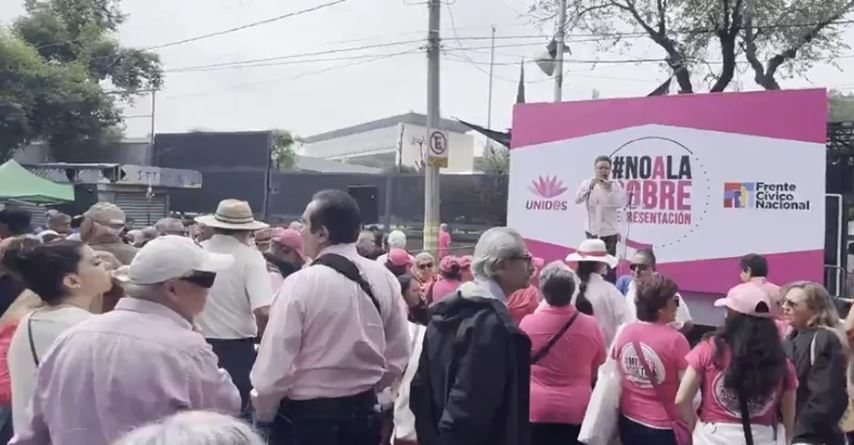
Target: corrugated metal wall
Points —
{"points": [[144, 212]]}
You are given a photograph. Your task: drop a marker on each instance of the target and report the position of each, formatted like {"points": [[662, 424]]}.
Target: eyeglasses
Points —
{"points": [[201, 279], [639, 267], [676, 301], [425, 266], [526, 258]]}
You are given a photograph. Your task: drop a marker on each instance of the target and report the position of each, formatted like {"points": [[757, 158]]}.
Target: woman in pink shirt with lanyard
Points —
{"points": [[648, 414], [743, 374], [567, 349]]}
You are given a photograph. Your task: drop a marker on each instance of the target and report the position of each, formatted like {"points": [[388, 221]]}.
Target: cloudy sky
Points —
{"points": [[308, 89]]}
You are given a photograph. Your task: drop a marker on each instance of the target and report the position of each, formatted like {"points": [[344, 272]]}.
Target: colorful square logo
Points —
{"points": [[739, 195]]}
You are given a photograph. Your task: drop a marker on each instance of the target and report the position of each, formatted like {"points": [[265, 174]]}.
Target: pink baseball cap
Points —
{"points": [[399, 257], [449, 262], [291, 239], [465, 261], [748, 299]]}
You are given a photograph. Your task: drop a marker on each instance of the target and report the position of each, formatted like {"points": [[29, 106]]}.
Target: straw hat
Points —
{"points": [[232, 214], [593, 250]]}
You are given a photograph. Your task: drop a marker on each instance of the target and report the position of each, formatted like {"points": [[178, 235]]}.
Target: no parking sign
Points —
{"points": [[437, 149]]}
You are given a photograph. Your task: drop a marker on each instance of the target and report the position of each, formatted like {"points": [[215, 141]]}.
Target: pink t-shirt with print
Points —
{"points": [[664, 349], [720, 404]]}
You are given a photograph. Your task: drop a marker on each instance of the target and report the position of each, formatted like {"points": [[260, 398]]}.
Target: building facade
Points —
{"points": [[397, 141]]}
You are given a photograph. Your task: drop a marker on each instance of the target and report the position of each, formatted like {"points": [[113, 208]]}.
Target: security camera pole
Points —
{"points": [[431, 171]]}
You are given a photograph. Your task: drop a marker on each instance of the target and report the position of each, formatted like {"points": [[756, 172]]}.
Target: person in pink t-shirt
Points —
{"points": [[444, 240], [449, 280], [645, 418], [562, 376], [743, 360]]}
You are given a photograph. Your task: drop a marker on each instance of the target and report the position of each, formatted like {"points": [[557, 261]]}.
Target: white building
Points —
{"points": [[390, 142]]}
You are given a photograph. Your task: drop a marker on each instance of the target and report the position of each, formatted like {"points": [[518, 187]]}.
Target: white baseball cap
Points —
{"points": [[173, 256]]}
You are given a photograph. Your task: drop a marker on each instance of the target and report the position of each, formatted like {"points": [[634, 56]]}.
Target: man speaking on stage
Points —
{"points": [[602, 197]]}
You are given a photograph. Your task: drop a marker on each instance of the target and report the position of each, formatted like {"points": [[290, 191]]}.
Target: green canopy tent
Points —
{"points": [[16, 182]]}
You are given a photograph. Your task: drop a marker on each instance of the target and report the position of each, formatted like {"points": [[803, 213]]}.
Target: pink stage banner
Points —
{"points": [[707, 178]]}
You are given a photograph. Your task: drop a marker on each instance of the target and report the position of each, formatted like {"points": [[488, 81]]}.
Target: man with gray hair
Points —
{"points": [[396, 240], [138, 363], [170, 226], [473, 378], [194, 428]]}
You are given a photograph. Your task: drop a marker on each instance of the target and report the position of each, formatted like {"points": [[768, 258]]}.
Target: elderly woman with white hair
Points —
{"points": [[568, 348], [472, 383], [194, 428]]}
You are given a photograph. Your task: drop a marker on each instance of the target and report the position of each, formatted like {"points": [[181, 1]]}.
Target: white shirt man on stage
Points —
{"points": [[602, 198]]}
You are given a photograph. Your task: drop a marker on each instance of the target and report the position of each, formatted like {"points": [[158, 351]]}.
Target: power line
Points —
{"points": [[248, 25], [298, 76], [295, 56], [279, 63]]}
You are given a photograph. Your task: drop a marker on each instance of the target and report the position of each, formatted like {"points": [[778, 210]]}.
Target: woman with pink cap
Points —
{"points": [[742, 374], [449, 279], [398, 261]]}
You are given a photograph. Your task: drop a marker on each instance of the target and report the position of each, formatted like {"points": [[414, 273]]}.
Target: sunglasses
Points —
{"points": [[639, 267], [425, 266], [201, 279]]}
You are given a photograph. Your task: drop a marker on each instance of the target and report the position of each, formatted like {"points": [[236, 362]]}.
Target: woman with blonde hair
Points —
{"points": [[818, 347]]}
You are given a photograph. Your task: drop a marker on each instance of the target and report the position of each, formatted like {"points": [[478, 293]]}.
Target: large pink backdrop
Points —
{"points": [[786, 116]]}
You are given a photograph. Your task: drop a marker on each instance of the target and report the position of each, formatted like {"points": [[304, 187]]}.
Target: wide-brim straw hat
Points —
{"points": [[593, 250], [232, 214]]}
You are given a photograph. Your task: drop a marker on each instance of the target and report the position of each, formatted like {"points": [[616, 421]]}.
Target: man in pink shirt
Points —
{"points": [[444, 240], [337, 335]]}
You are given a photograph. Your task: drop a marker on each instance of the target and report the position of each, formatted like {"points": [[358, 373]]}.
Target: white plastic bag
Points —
{"points": [[603, 412]]}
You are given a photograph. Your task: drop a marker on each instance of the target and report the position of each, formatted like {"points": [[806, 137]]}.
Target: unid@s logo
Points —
{"points": [[547, 191]]}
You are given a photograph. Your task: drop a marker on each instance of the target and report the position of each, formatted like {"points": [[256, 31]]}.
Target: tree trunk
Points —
{"points": [[728, 68]]}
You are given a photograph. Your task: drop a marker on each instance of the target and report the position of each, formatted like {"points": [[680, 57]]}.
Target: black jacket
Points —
{"points": [[822, 396], [473, 380]]}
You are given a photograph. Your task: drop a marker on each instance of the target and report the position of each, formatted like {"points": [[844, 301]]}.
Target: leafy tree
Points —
{"points": [[284, 153], [792, 34], [20, 74], [841, 107], [496, 160], [62, 54]]}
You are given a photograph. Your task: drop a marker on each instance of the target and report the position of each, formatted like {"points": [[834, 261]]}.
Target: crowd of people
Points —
{"points": [[223, 330]]}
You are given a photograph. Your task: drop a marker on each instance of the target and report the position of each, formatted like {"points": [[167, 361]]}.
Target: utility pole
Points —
{"points": [[431, 172], [491, 71], [561, 37], [153, 113]]}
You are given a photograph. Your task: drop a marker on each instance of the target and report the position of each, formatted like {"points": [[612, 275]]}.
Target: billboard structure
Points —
{"points": [[708, 178]]}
